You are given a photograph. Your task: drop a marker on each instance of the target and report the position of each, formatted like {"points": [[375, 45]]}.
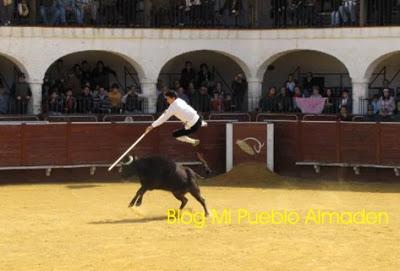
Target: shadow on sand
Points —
{"points": [[81, 186], [130, 220]]}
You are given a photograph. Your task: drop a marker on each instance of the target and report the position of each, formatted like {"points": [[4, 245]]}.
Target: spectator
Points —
{"points": [[297, 94], [22, 94], [371, 115], [59, 74], [182, 95], [309, 15], [218, 88], [86, 75], [69, 103], [55, 104], [290, 84], [191, 92], [345, 100], [344, 114], [348, 12], [188, 75], [228, 106], [101, 75], [85, 102], [159, 86], [131, 101], [177, 85], [204, 76], [375, 104], [284, 101], [201, 100], [77, 70], [162, 104], [239, 88], [115, 98], [6, 11], [335, 14], [315, 92], [217, 103], [330, 102], [73, 83], [4, 99], [269, 103], [308, 83], [386, 105]]}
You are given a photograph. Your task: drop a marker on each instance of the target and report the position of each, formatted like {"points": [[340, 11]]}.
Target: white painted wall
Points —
{"points": [[148, 50]]}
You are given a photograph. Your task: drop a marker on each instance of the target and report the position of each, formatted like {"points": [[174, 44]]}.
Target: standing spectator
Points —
{"points": [[290, 84], [162, 104], [335, 14], [73, 83], [201, 100], [182, 95], [204, 76], [386, 105], [56, 103], [188, 75], [218, 88], [59, 75], [345, 100], [101, 103], [348, 12], [4, 99], [115, 98], [308, 83], [309, 6], [330, 102], [191, 91], [217, 103], [86, 74], [239, 88], [375, 104], [344, 114], [77, 70], [284, 101], [22, 94], [69, 103], [297, 94], [269, 103], [101, 75], [177, 85], [85, 102], [6, 11]]}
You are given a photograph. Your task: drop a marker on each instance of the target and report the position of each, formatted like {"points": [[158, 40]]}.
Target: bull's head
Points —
{"points": [[128, 166]]}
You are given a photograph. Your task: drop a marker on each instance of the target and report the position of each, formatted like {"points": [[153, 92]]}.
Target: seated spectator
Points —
{"points": [[290, 84], [269, 103], [330, 106], [85, 101], [228, 105], [101, 103], [115, 97], [217, 103], [218, 88], [182, 95], [86, 74], [4, 99], [6, 11], [297, 94], [345, 100], [190, 92], [344, 114], [56, 104], [386, 105], [204, 76], [188, 75], [162, 104], [176, 86], [69, 103], [284, 101], [315, 92], [73, 83], [371, 115], [201, 100], [131, 101], [22, 94]]}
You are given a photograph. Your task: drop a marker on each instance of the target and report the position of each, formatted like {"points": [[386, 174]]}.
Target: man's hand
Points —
{"points": [[149, 128]]}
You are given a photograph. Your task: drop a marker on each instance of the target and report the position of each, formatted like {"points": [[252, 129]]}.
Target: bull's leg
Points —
{"points": [[195, 192], [180, 196], [138, 197]]}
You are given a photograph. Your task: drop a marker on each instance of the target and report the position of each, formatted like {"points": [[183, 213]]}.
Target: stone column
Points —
{"points": [[360, 92], [149, 92], [36, 101], [254, 93]]}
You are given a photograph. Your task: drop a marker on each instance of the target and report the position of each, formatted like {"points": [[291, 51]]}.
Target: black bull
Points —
{"points": [[157, 172]]}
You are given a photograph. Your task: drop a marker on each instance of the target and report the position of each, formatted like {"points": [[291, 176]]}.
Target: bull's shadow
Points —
{"points": [[130, 220]]}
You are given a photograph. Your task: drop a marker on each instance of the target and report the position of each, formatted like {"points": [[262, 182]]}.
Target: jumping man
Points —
{"points": [[185, 113]]}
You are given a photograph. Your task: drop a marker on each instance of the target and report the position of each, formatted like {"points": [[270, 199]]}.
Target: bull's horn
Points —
{"points": [[129, 161]]}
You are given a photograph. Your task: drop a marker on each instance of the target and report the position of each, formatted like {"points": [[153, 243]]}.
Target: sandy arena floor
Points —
{"points": [[89, 227]]}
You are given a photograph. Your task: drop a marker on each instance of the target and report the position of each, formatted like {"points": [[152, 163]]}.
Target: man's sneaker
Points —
{"points": [[204, 124], [196, 142]]}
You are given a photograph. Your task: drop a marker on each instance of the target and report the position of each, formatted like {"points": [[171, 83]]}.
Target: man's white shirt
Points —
{"points": [[180, 109]]}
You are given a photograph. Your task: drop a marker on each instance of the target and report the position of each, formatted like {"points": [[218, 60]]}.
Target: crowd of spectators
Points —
{"points": [[16, 99], [201, 90], [81, 89]]}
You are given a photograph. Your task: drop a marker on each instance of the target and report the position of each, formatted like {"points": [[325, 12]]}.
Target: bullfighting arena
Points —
{"points": [[87, 226]]}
